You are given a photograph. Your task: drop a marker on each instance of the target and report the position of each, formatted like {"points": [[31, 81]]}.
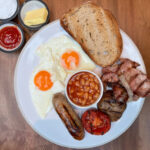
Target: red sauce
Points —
{"points": [[83, 88], [10, 37]]}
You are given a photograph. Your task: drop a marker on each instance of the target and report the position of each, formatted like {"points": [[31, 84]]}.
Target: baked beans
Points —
{"points": [[83, 88]]}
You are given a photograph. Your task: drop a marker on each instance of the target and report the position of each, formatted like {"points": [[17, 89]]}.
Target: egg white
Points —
{"points": [[42, 100], [56, 47], [50, 60]]}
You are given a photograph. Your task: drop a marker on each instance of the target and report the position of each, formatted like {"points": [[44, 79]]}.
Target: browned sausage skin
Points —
{"points": [[68, 116]]}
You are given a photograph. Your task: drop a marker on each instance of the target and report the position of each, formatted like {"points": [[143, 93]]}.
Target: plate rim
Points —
{"points": [[29, 123]]}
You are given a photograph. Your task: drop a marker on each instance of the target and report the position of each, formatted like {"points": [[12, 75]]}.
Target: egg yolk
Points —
{"points": [[70, 60], [42, 80]]}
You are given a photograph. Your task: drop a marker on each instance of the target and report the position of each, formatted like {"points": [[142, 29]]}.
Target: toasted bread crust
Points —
{"points": [[110, 39]]}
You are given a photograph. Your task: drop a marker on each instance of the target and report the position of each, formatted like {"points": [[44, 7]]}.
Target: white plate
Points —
{"points": [[52, 128]]}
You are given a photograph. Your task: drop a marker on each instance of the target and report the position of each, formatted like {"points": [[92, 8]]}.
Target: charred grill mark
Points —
{"points": [[75, 124], [117, 112]]}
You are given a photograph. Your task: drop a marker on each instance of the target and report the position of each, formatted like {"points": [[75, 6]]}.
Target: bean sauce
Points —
{"points": [[83, 88]]}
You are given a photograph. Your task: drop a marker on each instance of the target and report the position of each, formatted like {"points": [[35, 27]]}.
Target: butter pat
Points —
{"points": [[35, 17]]}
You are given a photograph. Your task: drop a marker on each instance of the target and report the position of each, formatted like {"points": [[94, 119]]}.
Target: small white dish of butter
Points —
{"points": [[34, 14]]}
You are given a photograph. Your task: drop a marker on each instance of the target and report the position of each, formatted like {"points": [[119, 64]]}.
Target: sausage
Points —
{"points": [[68, 116]]}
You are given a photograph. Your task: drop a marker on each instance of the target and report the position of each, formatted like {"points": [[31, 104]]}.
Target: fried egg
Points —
{"points": [[58, 58], [67, 56], [43, 85]]}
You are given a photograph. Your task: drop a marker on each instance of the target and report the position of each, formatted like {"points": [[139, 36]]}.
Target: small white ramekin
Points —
{"points": [[89, 106], [13, 24], [29, 5]]}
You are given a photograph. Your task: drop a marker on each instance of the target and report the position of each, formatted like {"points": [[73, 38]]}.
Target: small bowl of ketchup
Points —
{"points": [[11, 37]]}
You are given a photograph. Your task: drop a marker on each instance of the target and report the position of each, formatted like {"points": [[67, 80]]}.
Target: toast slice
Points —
{"points": [[96, 30]]}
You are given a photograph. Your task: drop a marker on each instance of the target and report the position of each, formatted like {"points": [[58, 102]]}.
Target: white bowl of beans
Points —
{"points": [[84, 89]]}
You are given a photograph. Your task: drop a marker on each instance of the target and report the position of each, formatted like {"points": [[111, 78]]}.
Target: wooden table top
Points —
{"points": [[15, 134]]}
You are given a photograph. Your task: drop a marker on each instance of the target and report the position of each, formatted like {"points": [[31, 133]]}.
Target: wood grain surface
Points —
{"points": [[15, 134]]}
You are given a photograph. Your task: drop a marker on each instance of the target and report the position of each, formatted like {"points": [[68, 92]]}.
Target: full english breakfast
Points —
{"points": [[65, 64]]}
